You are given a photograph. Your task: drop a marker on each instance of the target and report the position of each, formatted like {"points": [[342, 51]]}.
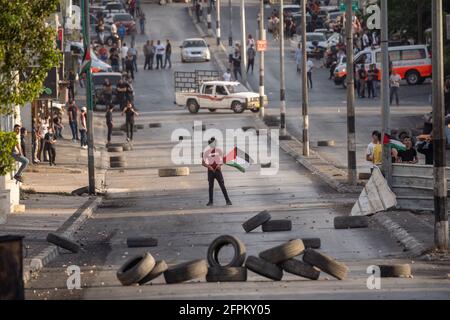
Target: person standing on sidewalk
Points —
{"points": [[168, 53], [309, 67], [50, 142], [17, 154], [83, 128], [129, 112], [109, 121], [142, 22], [72, 112], [159, 54], [251, 53], [394, 81], [213, 161]]}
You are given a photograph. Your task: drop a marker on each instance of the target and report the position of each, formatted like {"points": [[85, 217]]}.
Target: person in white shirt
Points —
{"points": [[309, 67], [113, 29], [227, 75], [394, 82], [160, 49], [123, 54]]}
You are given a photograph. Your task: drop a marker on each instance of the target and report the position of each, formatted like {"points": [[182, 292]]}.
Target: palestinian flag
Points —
{"points": [[393, 143], [86, 65], [238, 159]]}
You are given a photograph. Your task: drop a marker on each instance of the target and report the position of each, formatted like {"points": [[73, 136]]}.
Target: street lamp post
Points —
{"points": [[218, 22], [89, 102], [282, 75], [230, 24], [262, 37], [440, 181], [243, 45], [305, 98]]}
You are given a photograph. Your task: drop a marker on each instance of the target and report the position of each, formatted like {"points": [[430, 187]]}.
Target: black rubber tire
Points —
{"points": [[63, 242], [395, 271], [173, 172], [159, 269], [257, 220], [264, 268], [117, 159], [212, 110], [325, 263], [192, 106], [186, 271], [412, 77], [232, 274], [311, 243], [127, 147], [277, 225], [154, 125], [237, 107], [80, 191], [283, 252], [139, 242], [349, 222], [300, 268], [266, 165], [115, 149], [212, 254], [326, 143], [255, 110], [135, 269]]}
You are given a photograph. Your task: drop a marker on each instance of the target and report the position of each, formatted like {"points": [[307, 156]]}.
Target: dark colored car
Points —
{"points": [[126, 19], [97, 82]]}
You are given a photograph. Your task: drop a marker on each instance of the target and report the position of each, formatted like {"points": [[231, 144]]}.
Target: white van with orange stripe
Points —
{"points": [[412, 63]]}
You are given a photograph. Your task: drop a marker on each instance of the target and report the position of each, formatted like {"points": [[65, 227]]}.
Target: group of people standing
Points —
{"points": [[234, 58], [159, 52]]}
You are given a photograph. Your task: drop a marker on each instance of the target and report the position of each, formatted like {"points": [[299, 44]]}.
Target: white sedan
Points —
{"points": [[195, 49]]}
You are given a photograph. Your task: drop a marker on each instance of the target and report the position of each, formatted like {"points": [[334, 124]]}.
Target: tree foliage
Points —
{"points": [[25, 40], [7, 142]]}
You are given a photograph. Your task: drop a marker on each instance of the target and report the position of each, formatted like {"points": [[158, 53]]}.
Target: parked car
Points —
{"points": [[195, 49], [121, 18], [97, 83], [114, 7]]}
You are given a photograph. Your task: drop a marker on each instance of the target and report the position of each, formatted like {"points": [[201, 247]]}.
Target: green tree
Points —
{"points": [[27, 50]]}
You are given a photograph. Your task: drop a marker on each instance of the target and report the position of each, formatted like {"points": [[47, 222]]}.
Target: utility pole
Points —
{"points": [[282, 75], [218, 22], [90, 113], [305, 94], [262, 37], [230, 24], [351, 135], [440, 179], [385, 110], [243, 45]]}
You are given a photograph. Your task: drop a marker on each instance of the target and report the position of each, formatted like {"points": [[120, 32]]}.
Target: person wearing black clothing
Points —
{"points": [[213, 160], [71, 85], [130, 92], [168, 53], [50, 141], [129, 66], [23, 134], [410, 154], [109, 121], [426, 148], [107, 92], [237, 66], [129, 112], [122, 93]]}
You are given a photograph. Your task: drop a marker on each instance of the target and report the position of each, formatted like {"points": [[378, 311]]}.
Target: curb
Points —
{"points": [[69, 227]]}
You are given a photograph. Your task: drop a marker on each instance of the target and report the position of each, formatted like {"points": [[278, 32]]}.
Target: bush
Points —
{"points": [[7, 142]]}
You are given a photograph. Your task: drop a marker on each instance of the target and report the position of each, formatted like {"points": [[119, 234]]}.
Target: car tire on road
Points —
{"points": [[277, 225], [159, 269], [212, 110], [173, 172], [283, 252], [350, 222], [257, 220], [63, 242], [325, 263], [237, 107], [300, 268], [264, 268], [395, 271], [192, 106], [311, 243], [138, 242], [214, 248], [255, 110], [412, 77], [186, 271], [231, 274], [135, 269]]}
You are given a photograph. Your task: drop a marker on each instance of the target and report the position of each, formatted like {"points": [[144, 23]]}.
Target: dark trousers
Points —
{"points": [[370, 89], [130, 128], [167, 59], [71, 92], [110, 127], [309, 74], [251, 63], [131, 71], [107, 97], [362, 88], [216, 175], [74, 128], [51, 151], [237, 70], [159, 61], [147, 63], [42, 151], [394, 92], [122, 101], [83, 134]]}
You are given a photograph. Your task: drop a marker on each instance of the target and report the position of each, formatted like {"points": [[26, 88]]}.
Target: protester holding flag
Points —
{"points": [[213, 160]]}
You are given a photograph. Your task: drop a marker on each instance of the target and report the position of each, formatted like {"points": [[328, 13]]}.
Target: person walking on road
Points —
{"points": [[168, 51], [107, 92], [123, 54], [121, 31], [129, 66], [160, 48], [72, 112], [213, 161], [18, 156], [129, 112], [109, 121], [142, 22], [121, 90], [362, 81], [50, 141], [372, 80], [394, 82], [309, 67], [83, 128], [251, 53], [237, 65]]}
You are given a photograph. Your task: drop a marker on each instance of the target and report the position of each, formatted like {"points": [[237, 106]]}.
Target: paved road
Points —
{"points": [[173, 210]]}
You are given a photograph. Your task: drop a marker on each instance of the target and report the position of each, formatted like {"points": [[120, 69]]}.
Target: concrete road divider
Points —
{"points": [[135, 269], [351, 222], [159, 269], [325, 263], [395, 271], [231, 274], [137, 242], [300, 268], [173, 172], [63, 242], [186, 271], [277, 225], [214, 248], [255, 221], [264, 268], [283, 252], [326, 143]]}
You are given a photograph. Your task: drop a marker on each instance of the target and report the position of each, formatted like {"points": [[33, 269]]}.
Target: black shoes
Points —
{"points": [[209, 204], [229, 203], [18, 178]]}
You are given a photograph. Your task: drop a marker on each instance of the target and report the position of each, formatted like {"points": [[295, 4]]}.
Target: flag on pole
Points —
{"points": [[86, 65], [393, 143], [238, 159]]}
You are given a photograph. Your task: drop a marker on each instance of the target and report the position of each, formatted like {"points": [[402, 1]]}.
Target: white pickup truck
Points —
{"points": [[213, 95]]}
